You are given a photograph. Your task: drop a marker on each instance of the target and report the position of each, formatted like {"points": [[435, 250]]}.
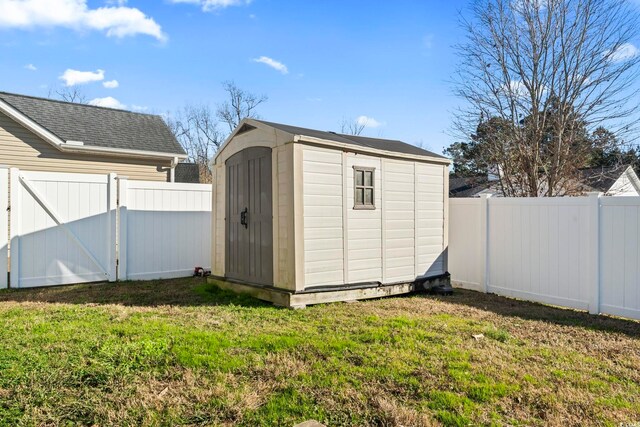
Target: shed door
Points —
{"points": [[249, 233]]}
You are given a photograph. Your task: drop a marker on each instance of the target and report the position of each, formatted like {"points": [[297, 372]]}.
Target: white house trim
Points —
{"points": [[120, 152], [622, 188], [30, 124]]}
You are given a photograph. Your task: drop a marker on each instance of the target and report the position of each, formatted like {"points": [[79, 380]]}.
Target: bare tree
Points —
{"points": [[352, 127], [196, 126], [241, 105], [537, 75], [68, 94], [196, 129]]}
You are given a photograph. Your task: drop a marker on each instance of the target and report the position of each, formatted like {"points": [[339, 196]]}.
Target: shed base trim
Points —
{"points": [[285, 298]]}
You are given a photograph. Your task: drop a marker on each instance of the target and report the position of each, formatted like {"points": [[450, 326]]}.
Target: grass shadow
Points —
{"points": [[153, 293], [527, 310], [197, 292]]}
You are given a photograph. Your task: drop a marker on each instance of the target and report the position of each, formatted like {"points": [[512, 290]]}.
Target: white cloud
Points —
{"points": [[517, 87], [111, 84], [211, 5], [115, 21], [368, 122], [276, 65], [31, 67], [109, 102], [623, 52], [75, 77], [139, 108]]}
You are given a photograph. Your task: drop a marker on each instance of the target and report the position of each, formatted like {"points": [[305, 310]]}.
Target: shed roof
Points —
{"points": [[360, 141], [97, 126]]}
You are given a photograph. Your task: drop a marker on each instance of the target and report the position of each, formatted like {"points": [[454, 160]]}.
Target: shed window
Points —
{"points": [[364, 188]]}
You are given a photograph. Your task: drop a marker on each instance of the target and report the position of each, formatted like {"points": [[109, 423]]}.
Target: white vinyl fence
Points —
{"points": [[165, 229], [577, 252], [63, 228]]}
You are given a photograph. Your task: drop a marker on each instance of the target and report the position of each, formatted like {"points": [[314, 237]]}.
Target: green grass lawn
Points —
{"points": [[183, 352]]}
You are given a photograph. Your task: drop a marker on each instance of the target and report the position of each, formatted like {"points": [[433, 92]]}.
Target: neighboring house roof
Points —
{"points": [[99, 128], [361, 141], [457, 183], [612, 181], [187, 172], [467, 186]]}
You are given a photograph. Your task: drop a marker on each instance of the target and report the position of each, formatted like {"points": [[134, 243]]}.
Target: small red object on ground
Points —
{"points": [[201, 272]]}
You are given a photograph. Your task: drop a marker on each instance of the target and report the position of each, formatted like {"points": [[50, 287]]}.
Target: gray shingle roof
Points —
{"points": [[97, 126], [602, 178], [361, 141], [467, 186]]}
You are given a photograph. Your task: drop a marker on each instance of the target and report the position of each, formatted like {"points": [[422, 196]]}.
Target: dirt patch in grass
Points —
{"points": [[181, 352]]}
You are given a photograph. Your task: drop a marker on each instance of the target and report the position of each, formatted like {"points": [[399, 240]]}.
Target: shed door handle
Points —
{"points": [[243, 218]]}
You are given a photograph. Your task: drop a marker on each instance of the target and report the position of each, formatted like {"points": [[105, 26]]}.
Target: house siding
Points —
{"points": [[626, 185], [22, 149]]}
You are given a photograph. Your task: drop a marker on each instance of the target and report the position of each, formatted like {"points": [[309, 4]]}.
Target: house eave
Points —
{"points": [[121, 152], [34, 127]]}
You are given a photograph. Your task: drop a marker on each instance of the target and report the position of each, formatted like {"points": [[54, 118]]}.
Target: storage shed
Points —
{"points": [[302, 216]]}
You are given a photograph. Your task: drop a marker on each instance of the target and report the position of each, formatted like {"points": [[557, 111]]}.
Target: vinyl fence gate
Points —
{"points": [[62, 228]]}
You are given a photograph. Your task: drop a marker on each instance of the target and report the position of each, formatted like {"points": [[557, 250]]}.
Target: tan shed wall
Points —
{"points": [[218, 218], [364, 227], [322, 196], [319, 239], [282, 189], [405, 237], [284, 219], [22, 149]]}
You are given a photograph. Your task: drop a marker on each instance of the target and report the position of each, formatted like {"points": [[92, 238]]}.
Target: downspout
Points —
{"points": [[172, 171]]}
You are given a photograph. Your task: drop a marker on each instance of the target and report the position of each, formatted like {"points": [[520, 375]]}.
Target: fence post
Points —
{"points": [[594, 276], [4, 226], [15, 226], [123, 185], [484, 242], [112, 206]]}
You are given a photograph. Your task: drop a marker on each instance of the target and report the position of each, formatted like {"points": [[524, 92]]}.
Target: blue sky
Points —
{"points": [[388, 61]]}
